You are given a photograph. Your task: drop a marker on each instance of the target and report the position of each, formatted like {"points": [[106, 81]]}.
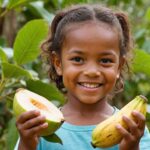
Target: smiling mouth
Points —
{"points": [[91, 85]]}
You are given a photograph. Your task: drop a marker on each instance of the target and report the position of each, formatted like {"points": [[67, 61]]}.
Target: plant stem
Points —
{"points": [[4, 13], [2, 85], [7, 96]]}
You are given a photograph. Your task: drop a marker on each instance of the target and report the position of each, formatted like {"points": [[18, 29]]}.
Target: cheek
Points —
{"points": [[69, 69], [69, 75], [112, 75]]}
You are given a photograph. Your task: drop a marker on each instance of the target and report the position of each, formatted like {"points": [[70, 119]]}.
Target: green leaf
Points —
{"points": [[3, 56], [12, 135], [16, 3], [28, 40], [141, 62], [9, 52], [53, 138], [146, 44], [49, 91], [68, 2], [14, 71], [36, 8], [1, 2], [147, 15], [148, 120], [140, 33]]}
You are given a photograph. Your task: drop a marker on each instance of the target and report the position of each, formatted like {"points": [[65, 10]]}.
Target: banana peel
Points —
{"points": [[106, 135]]}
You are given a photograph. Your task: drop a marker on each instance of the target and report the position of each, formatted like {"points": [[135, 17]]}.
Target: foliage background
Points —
{"points": [[24, 24]]}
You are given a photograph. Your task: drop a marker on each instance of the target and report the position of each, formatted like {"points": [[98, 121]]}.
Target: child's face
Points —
{"points": [[90, 61]]}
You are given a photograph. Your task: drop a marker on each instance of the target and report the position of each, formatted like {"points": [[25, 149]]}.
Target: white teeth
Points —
{"points": [[90, 85]]}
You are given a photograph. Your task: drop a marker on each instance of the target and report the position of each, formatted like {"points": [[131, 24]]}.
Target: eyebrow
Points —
{"points": [[108, 53], [76, 51], [102, 53]]}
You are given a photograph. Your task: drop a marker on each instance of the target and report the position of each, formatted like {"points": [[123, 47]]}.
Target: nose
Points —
{"points": [[92, 71]]}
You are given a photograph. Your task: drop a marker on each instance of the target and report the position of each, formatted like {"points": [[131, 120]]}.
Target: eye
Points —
{"points": [[106, 60], [77, 59]]}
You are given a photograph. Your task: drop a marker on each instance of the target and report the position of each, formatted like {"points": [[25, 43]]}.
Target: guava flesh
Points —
{"points": [[25, 100]]}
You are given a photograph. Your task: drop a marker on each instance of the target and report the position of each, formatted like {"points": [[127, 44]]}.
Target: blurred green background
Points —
{"points": [[24, 25]]}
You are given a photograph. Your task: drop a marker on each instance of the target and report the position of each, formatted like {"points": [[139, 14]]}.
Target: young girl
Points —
{"points": [[88, 49]]}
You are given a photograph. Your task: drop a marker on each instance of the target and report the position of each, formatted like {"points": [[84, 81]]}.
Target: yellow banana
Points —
{"points": [[105, 134]]}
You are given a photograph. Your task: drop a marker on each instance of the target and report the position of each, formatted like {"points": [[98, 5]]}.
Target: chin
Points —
{"points": [[90, 102]]}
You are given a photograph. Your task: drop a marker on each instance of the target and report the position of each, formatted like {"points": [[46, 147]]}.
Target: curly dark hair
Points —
{"points": [[81, 13]]}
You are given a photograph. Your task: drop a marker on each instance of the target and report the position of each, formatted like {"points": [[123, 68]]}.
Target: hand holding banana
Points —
{"points": [[125, 127]]}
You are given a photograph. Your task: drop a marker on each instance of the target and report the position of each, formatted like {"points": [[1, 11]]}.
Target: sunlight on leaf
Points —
{"points": [[28, 41], [147, 15], [36, 8]]}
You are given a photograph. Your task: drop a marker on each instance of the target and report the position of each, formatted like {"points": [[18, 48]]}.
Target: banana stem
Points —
{"points": [[144, 98]]}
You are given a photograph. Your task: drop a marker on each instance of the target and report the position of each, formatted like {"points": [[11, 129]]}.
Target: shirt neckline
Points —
{"points": [[73, 127], [83, 128]]}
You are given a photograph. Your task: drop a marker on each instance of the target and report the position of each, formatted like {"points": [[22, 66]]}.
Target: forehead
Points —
{"points": [[91, 34]]}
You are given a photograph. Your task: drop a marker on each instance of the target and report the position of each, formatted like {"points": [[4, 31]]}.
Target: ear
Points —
{"points": [[121, 63], [57, 63]]}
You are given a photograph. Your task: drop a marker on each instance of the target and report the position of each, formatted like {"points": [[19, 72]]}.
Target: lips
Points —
{"points": [[90, 85]]}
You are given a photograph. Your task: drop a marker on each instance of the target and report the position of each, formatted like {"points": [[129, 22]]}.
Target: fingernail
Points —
{"points": [[43, 117], [37, 111], [125, 117], [118, 126], [45, 125], [134, 112]]}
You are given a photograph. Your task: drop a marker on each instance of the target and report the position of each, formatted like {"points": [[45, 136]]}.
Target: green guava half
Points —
{"points": [[25, 100]]}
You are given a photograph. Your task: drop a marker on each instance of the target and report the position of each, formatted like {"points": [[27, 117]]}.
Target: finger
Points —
{"points": [[36, 130], [133, 127], [28, 115], [123, 132], [34, 122], [140, 119]]}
